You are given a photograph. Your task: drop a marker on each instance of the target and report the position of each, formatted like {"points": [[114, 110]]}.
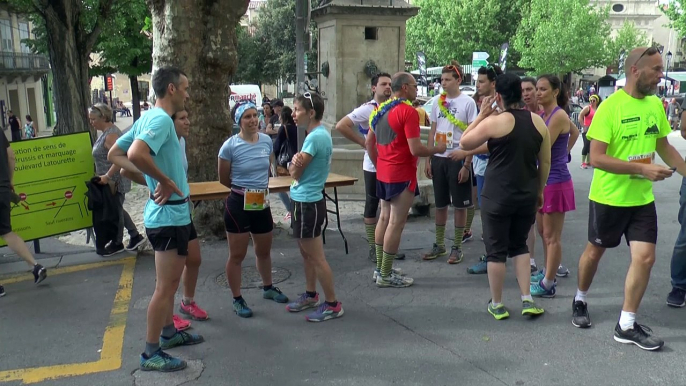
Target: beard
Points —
{"points": [[645, 87]]}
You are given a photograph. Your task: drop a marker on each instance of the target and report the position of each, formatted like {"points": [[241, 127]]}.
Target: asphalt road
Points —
{"points": [[434, 333]]}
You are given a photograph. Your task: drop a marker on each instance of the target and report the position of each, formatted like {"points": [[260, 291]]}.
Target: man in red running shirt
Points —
{"points": [[393, 145]]}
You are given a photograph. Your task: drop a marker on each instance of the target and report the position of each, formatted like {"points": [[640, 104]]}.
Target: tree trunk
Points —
{"points": [[199, 37], [69, 47], [135, 98]]}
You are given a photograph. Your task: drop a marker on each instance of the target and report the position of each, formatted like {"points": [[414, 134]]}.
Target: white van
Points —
{"points": [[245, 92]]}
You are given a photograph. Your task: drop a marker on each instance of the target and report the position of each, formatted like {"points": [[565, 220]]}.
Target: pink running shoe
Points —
{"points": [[181, 324], [194, 311]]}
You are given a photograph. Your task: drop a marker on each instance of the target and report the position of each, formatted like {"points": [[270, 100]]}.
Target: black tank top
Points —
{"points": [[511, 176]]}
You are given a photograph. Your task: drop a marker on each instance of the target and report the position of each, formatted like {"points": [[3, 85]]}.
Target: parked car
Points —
{"points": [[468, 90]]}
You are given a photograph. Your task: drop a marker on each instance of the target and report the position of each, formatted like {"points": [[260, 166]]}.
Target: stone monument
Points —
{"points": [[357, 38]]}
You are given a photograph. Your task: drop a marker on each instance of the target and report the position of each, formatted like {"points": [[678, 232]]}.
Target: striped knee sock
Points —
{"points": [[440, 235], [459, 232], [379, 256], [387, 266], [370, 229], [470, 218]]}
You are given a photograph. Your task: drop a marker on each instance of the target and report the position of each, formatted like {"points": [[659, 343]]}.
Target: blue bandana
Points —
{"points": [[242, 109]]}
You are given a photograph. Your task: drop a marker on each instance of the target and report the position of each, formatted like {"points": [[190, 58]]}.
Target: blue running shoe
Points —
{"points": [[181, 338], [479, 268], [535, 278], [161, 361], [240, 307], [275, 294], [537, 289], [325, 312]]}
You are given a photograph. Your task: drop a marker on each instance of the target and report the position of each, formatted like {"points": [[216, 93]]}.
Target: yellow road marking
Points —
{"points": [[113, 339], [60, 271]]}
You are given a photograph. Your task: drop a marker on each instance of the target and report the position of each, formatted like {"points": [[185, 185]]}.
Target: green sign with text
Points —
{"points": [[50, 178]]}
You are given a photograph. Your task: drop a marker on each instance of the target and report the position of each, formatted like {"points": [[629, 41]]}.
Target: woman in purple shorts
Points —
{"points": [[558, 196]]}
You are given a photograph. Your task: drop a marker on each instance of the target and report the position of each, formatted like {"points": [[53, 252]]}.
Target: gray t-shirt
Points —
{"points": [[102, 165], [671, 109], [249, 161]]}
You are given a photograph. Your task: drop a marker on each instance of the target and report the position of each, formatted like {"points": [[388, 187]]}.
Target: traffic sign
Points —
{"points": [[479, 63], [480, 55]]}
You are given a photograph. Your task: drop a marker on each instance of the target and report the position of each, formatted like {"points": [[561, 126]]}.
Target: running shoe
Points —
{"points": [[275, 294], [193, 310], [399, 256], [467, 235], [539, 290], [394, 281], [640, 335], [240, 307], [181, 338], [395, 271], [303, 302], [161, 361], [479, 268], [562, 271], [580, 316], [112, 249], [325, 312], [180, 324], [436, 251], [287, 217], [2, 291], [135, 242], [535, 278], [39, 273], [456, 256], [530, 309], [372, 254], [499, 312], [676, 298], [534, 269]]}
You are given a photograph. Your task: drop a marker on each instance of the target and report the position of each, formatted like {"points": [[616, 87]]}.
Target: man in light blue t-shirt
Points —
{"points": [[152, 147], [310, 169]]}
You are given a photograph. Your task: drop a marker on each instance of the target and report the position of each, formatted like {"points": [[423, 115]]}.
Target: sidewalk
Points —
{"points": [[91, 319]]}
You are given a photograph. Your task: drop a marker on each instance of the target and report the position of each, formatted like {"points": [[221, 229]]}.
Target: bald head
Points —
{"points": [[400, 79], [637, 57]]}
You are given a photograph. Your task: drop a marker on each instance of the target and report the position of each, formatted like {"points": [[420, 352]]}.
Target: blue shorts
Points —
{"points": [[388, 190]]}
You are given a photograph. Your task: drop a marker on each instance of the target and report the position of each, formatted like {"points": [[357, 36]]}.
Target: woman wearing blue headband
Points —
{"points": [[244, 163]]}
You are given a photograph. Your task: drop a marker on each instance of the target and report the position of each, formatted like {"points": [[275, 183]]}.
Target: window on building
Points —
{"points": [[6, 35], [618, 7], [24, 34], [371, 33]]}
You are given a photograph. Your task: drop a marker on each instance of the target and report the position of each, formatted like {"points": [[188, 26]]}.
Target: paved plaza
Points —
{"points": [[85, 325]]}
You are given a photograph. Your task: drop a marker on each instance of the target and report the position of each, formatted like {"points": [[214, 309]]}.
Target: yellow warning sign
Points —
{"points": [[50, 178]]}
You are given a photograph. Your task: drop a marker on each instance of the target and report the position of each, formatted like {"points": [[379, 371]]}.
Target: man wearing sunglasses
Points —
{"points": [[627, 129], [451, 170], [394, 146], [359, 118]]}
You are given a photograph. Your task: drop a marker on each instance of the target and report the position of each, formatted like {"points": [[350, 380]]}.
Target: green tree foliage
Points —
{"points": [[275, 40], [675, 13], [252, 58], [562, 36], [447, 30], [122, 46], [627, 38]]}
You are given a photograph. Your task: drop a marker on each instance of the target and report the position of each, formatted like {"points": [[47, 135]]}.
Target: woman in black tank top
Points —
{"points": [[518, 168]]}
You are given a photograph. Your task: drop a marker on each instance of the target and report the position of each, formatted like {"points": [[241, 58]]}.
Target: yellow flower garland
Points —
{"points": [[383, 109], [443, 108]]}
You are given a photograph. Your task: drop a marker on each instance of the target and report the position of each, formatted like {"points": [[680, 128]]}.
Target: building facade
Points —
{"points": [[25, 86]]}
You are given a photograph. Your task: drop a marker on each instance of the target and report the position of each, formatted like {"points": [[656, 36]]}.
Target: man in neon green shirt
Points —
{"points": [[627, 129]]}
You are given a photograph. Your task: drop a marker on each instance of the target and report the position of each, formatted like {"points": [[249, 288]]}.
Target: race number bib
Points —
{"points": [[255, 199], [445, 138], [647, 159]]}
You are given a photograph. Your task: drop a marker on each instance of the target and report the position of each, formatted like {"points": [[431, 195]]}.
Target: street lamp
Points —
{"points": [[669, 59]]}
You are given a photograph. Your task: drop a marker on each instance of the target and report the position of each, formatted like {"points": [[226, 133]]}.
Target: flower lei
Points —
{"points": [[383, 109], [443, 108]]}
